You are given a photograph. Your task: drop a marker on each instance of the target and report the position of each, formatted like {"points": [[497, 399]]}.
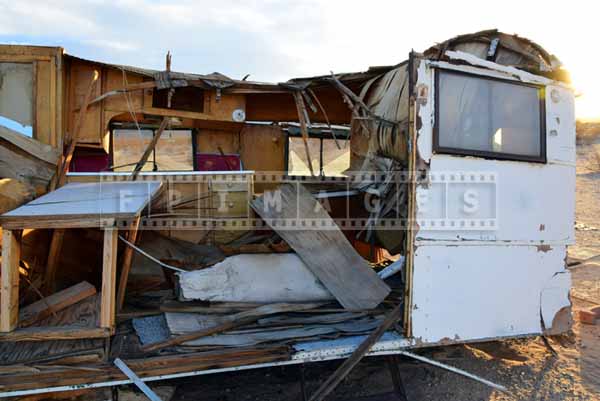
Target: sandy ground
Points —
{"points": [[526, 367]]}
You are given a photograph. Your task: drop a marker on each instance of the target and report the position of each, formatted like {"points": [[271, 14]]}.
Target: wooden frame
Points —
{"points": [[9, 307]]}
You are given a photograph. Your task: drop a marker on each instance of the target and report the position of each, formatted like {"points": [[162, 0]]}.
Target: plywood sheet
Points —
{"points": [[111, 199]]}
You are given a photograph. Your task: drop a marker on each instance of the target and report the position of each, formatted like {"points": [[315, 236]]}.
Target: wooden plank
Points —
{"points": [[109, 276], [34, 147], [53, 113], [126, 266], [75, 222], [9, 295], [326, 252], [43, 117], [331, 383], [52, 262], [45, 307], [18, 58], [230, 322], [16, 163], [55, 333], [145, 367]]}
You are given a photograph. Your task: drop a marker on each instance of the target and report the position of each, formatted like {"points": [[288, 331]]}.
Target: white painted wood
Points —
{"points": [[93, 199], [262, 278], [474, 292]]}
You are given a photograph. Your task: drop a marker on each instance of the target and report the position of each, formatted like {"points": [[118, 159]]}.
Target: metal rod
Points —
{"points": [[152, 258], [454, 370], [136, 380]]}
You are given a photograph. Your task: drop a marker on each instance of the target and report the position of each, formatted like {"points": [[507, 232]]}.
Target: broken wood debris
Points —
{"points": [[331, 383], [336, 263], [49, 305], [236, 320]]}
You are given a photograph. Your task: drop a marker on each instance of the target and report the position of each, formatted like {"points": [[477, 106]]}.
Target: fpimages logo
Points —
{"points": [[458, 200]]}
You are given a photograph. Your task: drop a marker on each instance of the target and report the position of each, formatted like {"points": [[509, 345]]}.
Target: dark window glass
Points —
{"points": [[488, 117]]}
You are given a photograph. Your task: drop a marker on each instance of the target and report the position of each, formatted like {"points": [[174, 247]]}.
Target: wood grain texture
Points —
{"points": [[9, 294], [109, 277], [56, 302], [35, 148], [126, 265], [55, 333], [326, 252], [52, 262], [83, 314]]}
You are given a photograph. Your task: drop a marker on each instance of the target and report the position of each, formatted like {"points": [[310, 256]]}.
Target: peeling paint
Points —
{"points": [[544, 248]]}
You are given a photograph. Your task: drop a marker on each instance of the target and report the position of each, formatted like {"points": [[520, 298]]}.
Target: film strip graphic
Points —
{"points": [[446, 201]]}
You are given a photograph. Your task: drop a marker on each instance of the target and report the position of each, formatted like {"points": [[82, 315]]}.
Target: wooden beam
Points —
{"points": [[109, 276], [32, 146], [140, 164], [126, 267], [52, 262], [9, 295], [331, 383], [55, 333], [45, 307]]}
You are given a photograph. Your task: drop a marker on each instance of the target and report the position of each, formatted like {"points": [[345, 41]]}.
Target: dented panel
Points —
{"points": [[464, 293]]}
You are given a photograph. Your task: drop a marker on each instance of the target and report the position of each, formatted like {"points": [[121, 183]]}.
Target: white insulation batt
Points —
{"points": [[261, 278]]}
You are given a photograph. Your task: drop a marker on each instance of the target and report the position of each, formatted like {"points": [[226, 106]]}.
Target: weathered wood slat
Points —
{"points": [[144, 367], [9, 293], [330, 384], [54, 333], [326, 252], [109, 276], [45, 307]]}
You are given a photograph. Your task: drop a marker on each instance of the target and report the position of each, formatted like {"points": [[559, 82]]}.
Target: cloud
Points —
{"points": [[274, 40]]}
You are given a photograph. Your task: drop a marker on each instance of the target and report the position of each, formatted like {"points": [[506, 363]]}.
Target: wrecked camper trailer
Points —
{"points": [[166, 224]]}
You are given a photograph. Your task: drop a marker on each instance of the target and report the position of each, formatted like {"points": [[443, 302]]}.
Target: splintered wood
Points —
{"points": [[326, 252]]}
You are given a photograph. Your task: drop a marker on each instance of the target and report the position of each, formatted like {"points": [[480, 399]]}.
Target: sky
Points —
{"points": [[274, 40]]}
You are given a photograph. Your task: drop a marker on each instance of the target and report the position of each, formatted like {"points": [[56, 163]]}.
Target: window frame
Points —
{"points": [[437, 148], [322, 134], [153, 128]]}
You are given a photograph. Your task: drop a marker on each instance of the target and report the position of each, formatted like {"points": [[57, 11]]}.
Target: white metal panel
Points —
{"points": [[474, 292], [534, 202], [560, 125]]}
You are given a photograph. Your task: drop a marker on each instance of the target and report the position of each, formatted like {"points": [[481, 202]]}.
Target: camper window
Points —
{"points": [[173, 151], [16, 97], [328, 157], [488, 117]]}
